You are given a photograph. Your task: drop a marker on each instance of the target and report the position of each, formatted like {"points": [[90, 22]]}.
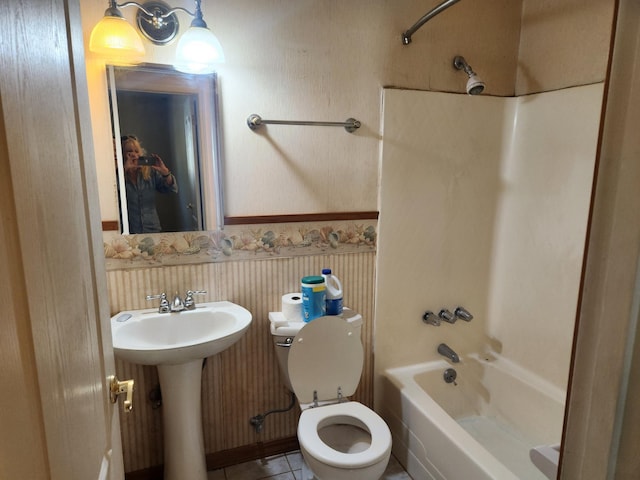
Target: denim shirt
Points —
{"points": [[141, 201]]}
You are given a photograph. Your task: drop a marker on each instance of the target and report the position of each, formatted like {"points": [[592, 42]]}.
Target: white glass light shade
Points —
{"points": [[117, 41], [198, 51]]}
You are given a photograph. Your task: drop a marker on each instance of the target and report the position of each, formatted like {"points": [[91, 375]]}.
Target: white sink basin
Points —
{"points": [[177, 343], [150, 338]]}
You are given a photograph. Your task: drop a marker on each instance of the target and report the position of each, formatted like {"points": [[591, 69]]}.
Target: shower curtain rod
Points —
{"points": [[254, 121], [406, 36]]}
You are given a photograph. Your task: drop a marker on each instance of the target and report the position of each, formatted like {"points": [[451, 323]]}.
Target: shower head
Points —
{"points": [[475, 85]]}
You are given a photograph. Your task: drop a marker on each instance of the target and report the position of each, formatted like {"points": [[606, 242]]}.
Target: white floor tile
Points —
{"points": [[287, 467], [257, 469]]}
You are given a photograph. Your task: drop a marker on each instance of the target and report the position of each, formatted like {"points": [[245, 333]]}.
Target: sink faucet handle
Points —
{"points": [[156, 296], [164, 303], [189, 302], [191, 293]]}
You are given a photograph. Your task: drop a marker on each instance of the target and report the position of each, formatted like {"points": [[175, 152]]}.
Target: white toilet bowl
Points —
{"points": [[339, 439], [344, 441]]}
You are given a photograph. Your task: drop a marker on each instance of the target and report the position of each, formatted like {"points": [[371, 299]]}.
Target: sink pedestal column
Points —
{"points": [[181, 387]]}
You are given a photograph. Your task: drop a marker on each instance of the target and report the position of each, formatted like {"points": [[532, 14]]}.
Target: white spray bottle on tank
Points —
{"points": [[333, 293]]}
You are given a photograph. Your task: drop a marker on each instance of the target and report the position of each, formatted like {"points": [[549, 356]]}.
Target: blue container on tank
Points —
{"points": [[313, 291]]}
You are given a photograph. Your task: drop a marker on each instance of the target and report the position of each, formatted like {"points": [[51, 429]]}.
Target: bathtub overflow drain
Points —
{"points": [[450, 376]]}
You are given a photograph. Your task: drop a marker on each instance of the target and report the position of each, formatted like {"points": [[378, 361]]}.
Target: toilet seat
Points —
{"points": [[325, 360], [352, 413]]}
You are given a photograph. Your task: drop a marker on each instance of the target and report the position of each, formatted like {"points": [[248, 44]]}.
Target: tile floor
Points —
{"points": [[287, 466]]}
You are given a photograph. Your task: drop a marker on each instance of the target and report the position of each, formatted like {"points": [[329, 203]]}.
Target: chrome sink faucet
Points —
{"points": [[177, 304]]}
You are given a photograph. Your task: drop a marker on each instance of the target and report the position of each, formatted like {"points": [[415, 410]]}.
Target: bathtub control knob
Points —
{"points": [[463, 314], [430, 318], [450, 376], [447, 316]]}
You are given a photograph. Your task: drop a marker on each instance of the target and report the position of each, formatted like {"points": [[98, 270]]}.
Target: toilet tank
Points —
{"points": [[283, 332]]}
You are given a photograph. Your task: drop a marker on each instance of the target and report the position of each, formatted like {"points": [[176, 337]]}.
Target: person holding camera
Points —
{"points": [[144, 176]]}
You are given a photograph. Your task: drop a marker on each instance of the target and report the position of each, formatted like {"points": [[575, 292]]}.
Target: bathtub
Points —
{"points": [[483, 426]]}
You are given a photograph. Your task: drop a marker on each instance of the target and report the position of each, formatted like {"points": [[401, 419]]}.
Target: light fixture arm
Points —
{"points": [[197, 15], [113, 10], [158, 18], [114, 6], [174, 10], [198, 19]]}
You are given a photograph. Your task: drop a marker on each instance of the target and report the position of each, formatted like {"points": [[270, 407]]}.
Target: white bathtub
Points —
{"points": [[482, 428]]}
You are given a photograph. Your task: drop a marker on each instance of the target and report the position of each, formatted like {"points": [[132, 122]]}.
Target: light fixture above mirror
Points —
{"points": [[114, 38]]}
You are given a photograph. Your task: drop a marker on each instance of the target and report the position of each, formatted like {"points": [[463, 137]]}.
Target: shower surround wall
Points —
{"points": [[495, 195]]}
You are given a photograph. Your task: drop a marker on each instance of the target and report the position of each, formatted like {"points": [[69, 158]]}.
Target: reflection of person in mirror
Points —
{"points": [[144, 176]]}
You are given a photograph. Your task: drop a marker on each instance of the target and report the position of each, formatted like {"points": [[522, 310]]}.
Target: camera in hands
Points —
{"points": [[146, 161]]}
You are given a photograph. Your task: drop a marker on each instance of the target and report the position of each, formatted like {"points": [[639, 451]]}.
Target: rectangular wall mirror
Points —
{"points": [[174, 118]]}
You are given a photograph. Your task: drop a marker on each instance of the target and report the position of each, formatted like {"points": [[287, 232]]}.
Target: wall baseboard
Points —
{"points": [[226, 458]]}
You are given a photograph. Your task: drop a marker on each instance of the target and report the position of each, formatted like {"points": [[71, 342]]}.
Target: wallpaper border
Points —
{"points": [[238, 243]]}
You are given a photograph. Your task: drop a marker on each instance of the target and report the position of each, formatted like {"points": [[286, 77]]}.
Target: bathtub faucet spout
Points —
{"points": [[445, 350]]}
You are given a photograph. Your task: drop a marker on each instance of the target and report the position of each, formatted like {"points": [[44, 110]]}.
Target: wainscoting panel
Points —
{"points": [[244, 380]]}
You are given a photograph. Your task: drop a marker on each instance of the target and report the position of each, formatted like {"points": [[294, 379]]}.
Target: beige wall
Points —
{"points": [[563, 44], [328, 61], [308, 60]]}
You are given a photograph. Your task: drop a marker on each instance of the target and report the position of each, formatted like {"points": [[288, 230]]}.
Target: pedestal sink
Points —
{"points": [[177, 343]]}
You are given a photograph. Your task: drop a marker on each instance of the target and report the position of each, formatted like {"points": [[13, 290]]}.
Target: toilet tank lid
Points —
{"points": [[280, 326]]}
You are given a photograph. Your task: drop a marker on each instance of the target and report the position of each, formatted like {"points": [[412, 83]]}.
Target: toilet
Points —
{"points": [[322, 364]]}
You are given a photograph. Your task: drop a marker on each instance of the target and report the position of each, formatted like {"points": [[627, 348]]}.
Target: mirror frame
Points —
{"points": [[155, 78]]}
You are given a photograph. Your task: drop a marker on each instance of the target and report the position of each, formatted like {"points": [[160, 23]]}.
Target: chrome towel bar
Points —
{"points": [[254, 121]]}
